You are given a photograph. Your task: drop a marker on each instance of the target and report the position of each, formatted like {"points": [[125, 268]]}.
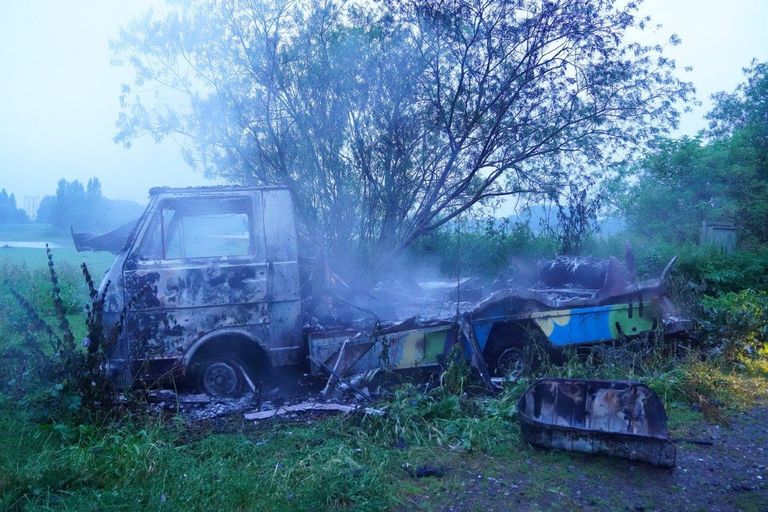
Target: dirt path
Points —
{"points": [[729, 475]]}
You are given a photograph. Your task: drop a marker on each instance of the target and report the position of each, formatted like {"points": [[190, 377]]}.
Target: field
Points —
{"points": [[451, 447], [64, 251]]}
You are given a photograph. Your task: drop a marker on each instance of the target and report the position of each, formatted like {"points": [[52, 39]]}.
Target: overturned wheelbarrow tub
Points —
{"points": [[623, 419]]}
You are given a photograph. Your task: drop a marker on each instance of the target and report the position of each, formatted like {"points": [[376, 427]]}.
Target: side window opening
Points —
{"points": [[151, 246], [199, 228], [173, 234]]}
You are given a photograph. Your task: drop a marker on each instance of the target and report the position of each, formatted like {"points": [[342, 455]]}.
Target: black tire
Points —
{"points": [[222, 378], [508, 351], [510, 363]]}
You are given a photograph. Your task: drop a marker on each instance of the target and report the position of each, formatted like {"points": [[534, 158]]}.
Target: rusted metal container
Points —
{"points": [[623, 419]]}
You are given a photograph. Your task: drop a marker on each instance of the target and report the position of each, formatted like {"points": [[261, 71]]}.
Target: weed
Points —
{"points": [[59, 379], [456, 376]]}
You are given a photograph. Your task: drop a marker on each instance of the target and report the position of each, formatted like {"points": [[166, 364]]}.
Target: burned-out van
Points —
{"points": [[206, 284]]}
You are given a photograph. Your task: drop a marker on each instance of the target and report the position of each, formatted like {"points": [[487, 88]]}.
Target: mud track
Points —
{"points": [[729, 475]]}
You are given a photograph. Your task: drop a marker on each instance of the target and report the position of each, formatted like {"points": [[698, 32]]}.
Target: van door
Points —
{"points": [[198, 265]]}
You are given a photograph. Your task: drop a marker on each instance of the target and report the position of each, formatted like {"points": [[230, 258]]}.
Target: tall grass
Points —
{"points": [[129, 461]]}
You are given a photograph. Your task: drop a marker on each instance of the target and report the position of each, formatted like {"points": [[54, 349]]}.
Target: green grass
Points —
{"points": [[33, 232], [99, 262], [335, 463], [128, 462], [152, 468], [325, 465]]}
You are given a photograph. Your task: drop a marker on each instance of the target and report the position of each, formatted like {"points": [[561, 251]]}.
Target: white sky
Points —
{"points": [[59, 93]]}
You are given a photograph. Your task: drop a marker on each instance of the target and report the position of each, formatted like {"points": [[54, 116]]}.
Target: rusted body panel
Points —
{"points": [[623, 419]]}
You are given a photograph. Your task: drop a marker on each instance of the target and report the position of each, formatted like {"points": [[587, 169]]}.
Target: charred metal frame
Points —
{"points": [[623, 419], [175, 306]]}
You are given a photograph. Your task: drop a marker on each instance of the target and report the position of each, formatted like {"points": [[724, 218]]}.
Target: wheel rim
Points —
{"points": [[220, 379], [510, 363]]}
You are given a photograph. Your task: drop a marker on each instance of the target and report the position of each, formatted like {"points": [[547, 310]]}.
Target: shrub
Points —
{"points": [[484, 248], [35, 286], [711, 270], [737, 324]]}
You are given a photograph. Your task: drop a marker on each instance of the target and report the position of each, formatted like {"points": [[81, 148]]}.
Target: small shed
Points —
{"points": [[720, 234]]}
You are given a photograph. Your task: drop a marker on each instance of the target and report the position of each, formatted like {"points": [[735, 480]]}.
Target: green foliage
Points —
{"points": [[677, 186], [737, 324], [42, 366], [441, 418], [744, 111], [704, 270], [708, 384], [34, 284], [688, 180], [457, 374], [578, 204], [717, 273], [489, 248]]}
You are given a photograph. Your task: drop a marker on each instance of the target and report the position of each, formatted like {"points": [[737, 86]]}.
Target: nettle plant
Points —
{"points": [[50, 372]]}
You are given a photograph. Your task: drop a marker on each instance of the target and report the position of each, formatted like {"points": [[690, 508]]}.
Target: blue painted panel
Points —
{"points": [[577, 326], [581, 329], [482, 331]]}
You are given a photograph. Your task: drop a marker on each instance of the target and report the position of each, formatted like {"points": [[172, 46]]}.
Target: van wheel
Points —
{"points": [[222, 378], [510, 363]]}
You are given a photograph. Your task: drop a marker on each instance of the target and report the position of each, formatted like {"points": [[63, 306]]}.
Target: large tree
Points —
{"points": [[387, 120]]}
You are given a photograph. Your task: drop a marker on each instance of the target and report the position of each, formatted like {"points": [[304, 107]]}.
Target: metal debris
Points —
{"points": [[478, 360], [623, 419], [312, 407]]}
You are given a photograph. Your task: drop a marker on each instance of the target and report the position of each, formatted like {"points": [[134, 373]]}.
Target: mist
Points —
{"points": [[60, 92], [60, 102]]}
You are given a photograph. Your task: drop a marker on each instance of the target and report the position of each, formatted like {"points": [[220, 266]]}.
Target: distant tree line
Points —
{"points": [[9, 212], [84, 208]]}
